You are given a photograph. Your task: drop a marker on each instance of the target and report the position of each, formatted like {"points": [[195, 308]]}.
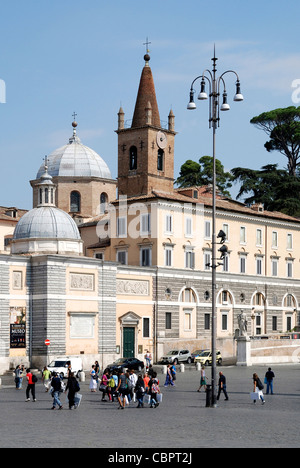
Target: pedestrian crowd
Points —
{"points": [[258, 386], [125, 386]]}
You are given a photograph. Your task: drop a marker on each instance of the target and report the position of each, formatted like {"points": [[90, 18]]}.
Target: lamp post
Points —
{"points": [[214, 122]]}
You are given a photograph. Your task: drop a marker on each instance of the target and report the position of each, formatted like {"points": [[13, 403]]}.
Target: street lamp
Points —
{"points": [[215, 84]]}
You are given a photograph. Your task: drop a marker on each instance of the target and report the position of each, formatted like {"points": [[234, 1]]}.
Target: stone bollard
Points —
{"points": [[198, 366], [182, 369], [164, 370], [81, 376]]}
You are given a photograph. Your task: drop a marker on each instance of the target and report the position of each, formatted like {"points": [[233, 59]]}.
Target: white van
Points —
{"points": [[61, 366]]}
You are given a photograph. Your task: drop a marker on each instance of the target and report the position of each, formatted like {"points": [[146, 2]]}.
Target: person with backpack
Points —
{"points": [[31, 381], [73, 387], [56, 390], [154, 390], [140, 391], [111, 386], [258, 388], [122, 389]]}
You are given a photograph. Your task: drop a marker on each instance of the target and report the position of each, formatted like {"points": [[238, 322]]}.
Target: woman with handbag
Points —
{"points": [[103, 384], [258, 389]]}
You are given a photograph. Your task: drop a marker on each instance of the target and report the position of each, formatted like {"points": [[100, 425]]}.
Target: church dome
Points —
{"points": [[76, 160], [46, 222], [46, 229]]}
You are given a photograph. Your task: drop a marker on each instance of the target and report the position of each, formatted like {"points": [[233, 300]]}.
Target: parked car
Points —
{"points": [[176, 356], [126, 363], [61, 366], [195, 354], [205, 358]]}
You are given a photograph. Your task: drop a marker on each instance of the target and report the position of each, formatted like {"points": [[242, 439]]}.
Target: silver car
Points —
{"points": [[176, 356]]}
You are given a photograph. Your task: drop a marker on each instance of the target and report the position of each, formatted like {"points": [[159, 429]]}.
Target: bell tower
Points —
{"points": [[146, 149]]}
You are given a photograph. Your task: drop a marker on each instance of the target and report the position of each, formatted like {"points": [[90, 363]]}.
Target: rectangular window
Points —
{"points": [[100, 256], [274, 323], [169, 224], [274, 267], [226, 230], [146, 327], [188, 227], [274, 239], [168, 320], [207, 260], [121, 227], [145, 257], [122, 257], [189, 259], [226, 263], [289, 241], [145, 224], [258, 324], [259, 237], [243, 264], [289, 267], [259, 264], [168, 256], [224, 321], [206, 321], [207, 230], [243, 235]]}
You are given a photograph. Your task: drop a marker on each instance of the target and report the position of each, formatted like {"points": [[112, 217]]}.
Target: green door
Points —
{"points": [[128, 342]]}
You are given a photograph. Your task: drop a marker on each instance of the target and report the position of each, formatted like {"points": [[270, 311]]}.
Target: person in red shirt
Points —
{"points": [[30, 386]]}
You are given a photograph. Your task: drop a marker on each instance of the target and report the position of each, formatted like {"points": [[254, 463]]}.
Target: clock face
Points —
{"points": [[161, 140]]}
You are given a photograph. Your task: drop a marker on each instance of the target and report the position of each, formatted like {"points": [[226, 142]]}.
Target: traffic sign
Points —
{"points": [[47, 342]]}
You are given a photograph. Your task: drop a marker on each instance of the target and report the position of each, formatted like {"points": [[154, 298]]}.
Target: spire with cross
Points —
{"points": [[147, 56]]}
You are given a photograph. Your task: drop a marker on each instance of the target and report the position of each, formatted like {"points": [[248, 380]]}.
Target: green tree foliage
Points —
{"points": [[197, 174], [283, 128], [275, 188]]}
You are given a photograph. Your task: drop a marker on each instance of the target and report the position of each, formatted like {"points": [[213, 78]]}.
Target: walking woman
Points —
{"points": [[202, 379], [258, 388], [73, 387], [93, 381]]}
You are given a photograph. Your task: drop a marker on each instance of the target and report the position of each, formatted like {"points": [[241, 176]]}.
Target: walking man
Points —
{"points": [[57, 389], [222, 386], [31, 380]]}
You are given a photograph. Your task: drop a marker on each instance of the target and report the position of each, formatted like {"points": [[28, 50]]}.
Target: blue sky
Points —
{"points": [[63, 56]]}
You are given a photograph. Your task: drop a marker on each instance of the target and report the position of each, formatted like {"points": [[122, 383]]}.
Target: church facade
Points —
{"points": [[106, 269]]}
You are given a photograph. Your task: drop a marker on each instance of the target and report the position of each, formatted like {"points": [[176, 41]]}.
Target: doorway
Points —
{"points": [[128, 342]]}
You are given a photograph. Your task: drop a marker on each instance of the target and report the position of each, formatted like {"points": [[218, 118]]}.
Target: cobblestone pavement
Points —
{"points": [[181, 420]]}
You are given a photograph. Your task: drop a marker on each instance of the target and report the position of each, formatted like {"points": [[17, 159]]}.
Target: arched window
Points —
{"points": [[188, 295], [160, 160], [75, 202], [133, 158], [103, 202], [46, 195]]}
